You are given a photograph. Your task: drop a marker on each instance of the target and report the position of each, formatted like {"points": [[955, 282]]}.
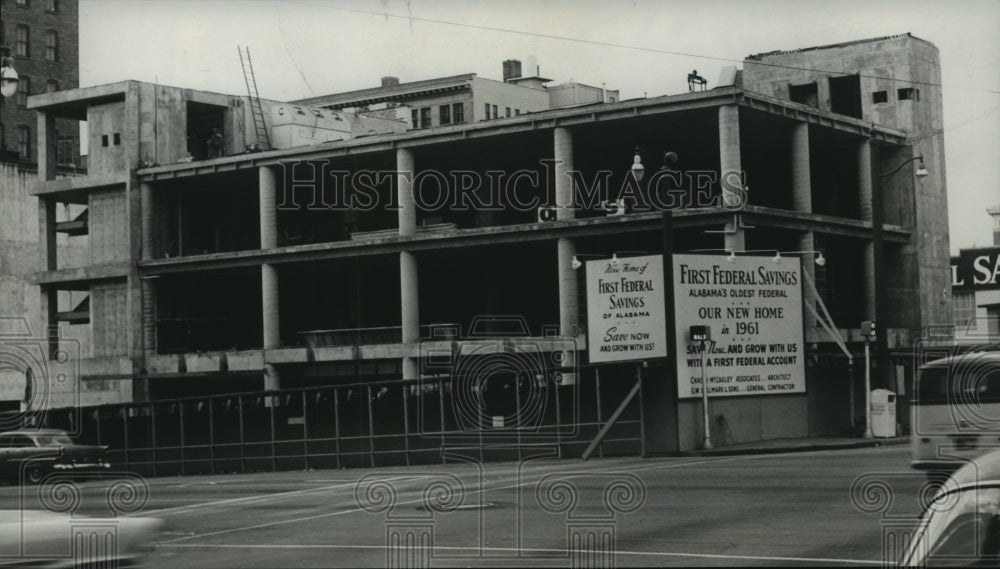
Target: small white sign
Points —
{"points": [[626, 319]]}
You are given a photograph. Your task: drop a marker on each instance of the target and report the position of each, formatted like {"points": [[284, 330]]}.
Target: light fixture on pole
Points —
{"points": [[638, 170], [920, 172], [8, 77]]}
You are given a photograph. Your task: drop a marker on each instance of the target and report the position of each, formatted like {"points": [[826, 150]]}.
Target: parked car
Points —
{"points": [[961, 525], [35, 453]]}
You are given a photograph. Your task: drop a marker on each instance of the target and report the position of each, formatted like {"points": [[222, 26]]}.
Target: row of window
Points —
{"points": [[64, 144], [905, 94], [50, 5], [23, 140], [22, 42], [453, 113], [495, 114]]}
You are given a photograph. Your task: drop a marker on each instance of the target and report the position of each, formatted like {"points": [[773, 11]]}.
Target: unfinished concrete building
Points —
{"points": [[239, 273]]}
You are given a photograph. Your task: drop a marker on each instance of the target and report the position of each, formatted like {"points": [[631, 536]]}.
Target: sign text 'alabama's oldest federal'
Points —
{"points": [[754, 308], [625, 309]]}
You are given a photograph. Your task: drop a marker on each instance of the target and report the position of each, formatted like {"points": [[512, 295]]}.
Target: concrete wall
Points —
{"points": [[108, 227], [918, 203], [19, 262], [735, 420], [504, 95], [104, 157], [109, 315]]}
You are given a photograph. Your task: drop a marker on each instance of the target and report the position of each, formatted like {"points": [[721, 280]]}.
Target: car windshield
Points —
{"points": [[960, 529], [53, 440]]}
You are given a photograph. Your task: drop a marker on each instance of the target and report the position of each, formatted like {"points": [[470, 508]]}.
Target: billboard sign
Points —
{"points": [[754, 308], [626, 316]]}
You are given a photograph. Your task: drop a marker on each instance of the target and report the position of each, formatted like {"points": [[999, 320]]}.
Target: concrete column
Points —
{"points": [[149, 316], [409, 289], [47, 233], [268, 274], [868, 279], [410, 308], [407, 205], [801, 175], [807, 243], [729, 161], [148, 220], [49, 308], [46, 146], [865, 180], [563, 143], [865, 208], [569, 312], [268, 208], [802, 202], [272, 328]]}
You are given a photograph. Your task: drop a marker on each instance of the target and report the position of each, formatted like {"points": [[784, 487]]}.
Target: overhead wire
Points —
{"points": [[413, 18]]}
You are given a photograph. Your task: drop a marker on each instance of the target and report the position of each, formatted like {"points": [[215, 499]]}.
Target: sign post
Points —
{"points": [[868, 331], [702, 334]]}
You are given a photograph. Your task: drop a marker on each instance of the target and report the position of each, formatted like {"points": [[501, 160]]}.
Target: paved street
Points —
{"points": [[778, 509]]}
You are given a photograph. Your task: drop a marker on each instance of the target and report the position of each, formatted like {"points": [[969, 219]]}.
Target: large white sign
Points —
{"points": [[626, 319], [754, 308]]}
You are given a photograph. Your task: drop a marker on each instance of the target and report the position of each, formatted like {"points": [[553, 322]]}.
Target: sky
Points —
{"points": [[303, 48]]}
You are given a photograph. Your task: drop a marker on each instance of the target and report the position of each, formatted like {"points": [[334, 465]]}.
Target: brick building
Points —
{"points": [[45, 43]]}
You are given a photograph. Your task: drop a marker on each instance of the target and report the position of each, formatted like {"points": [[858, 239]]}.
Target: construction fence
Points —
{"points": [[358, 425]]}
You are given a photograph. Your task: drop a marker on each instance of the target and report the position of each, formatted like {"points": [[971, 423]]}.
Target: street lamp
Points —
{"points": [[881, 317], [8, 77]]}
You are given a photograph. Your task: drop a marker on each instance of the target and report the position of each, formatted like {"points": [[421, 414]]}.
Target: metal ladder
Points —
{"points": [[255, 107]]}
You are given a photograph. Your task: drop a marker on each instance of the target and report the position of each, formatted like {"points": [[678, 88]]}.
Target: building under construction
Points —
{"points": [[306, 290]]}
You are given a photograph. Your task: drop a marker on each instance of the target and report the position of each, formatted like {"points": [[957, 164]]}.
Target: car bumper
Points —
{"points": [[78, 466]]}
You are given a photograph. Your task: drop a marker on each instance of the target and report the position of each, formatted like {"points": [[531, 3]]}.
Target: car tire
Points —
{"points": [[33, 475]]}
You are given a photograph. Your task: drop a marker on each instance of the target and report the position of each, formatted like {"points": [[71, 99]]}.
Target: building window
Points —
{"points": [[964, 309], [458, 112], [51, 45], [24, 141], [51, 86], [21, 42], [495, 115], [445, 111], [517, 112], [118, 139], [23, 90], [807, 94], [425, 117], [104, 140], [487, 107], [64, 150], [51, 5], [507, 111], [909, 93], [880, 97], [415, 118]]}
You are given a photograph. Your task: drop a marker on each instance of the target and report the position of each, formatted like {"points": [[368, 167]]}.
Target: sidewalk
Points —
{"points": [[798, 445]]}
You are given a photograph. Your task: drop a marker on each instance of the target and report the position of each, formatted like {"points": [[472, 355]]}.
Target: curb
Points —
{"points": [[806, 447]]}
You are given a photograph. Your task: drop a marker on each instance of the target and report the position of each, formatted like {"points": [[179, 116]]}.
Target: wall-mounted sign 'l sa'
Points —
{"points": [[626, 316]]}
